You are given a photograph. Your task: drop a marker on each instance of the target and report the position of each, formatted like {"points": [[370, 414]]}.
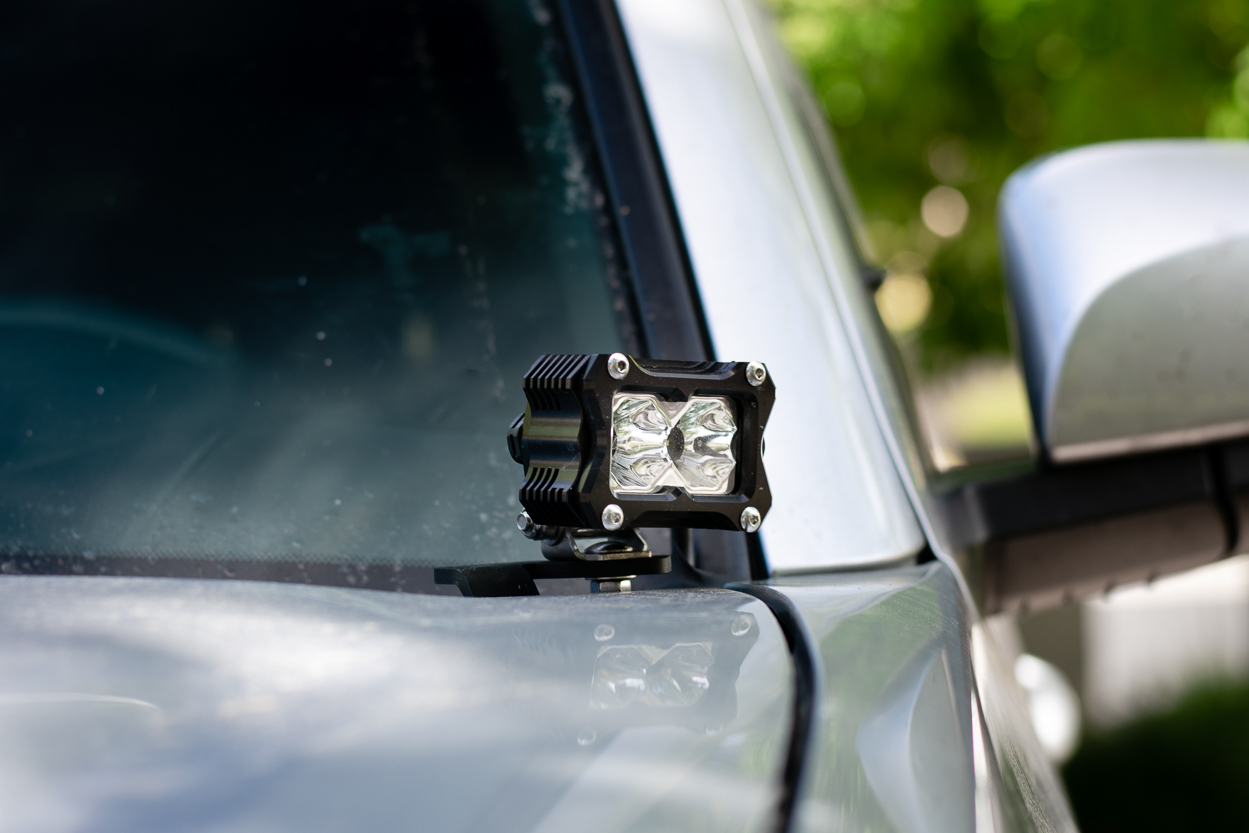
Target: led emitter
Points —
{"points": [[684, 445]]}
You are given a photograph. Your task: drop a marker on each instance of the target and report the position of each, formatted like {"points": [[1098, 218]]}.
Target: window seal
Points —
{"points": [[662, 276]]}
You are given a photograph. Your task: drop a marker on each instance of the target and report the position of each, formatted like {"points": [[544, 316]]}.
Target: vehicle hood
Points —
{"points": [[137, 704]]}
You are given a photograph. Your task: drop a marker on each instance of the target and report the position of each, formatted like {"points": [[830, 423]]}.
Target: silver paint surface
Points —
{"points": [[133, 704], [1027, 795], [764, 277], [899, 741], [892, 745], [1127, 267]]}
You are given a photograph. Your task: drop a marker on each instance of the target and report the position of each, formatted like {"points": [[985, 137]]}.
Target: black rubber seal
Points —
{"points": [[662, 276]]}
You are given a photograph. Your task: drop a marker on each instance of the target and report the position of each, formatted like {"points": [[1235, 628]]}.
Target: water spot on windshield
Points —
{"points": [[400, 248]]}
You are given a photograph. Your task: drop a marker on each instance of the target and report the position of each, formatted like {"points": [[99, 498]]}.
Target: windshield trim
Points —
{"points": [[401, 578], [674, 325]]}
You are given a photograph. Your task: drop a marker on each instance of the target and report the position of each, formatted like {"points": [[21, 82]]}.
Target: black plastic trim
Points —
{"points": [[394, 578], [806, 689], [1089, 515], [516, 578], [755, 557], [673, 324], [1055, 496]]}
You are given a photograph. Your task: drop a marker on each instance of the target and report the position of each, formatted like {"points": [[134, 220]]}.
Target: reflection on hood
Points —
{"points": [[159, 704]]}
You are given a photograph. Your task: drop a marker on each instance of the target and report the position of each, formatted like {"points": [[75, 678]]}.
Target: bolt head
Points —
{"points": [[618, 365], [751, 519], [524, 523], [756, 373], [611, 585], [613, 517]]}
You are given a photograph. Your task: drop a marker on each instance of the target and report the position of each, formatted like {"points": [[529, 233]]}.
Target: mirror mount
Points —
{"points": [[1062, 533]]}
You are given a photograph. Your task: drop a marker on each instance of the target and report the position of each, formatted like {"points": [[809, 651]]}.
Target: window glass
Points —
{"points": [[271, 271]]}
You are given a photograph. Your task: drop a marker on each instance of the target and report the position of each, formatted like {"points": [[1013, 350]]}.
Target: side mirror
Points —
{"points": [[1128, 270], [1128, 267]]}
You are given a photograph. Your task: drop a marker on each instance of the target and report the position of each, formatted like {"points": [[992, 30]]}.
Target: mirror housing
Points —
{"points": [[1128, 268]]}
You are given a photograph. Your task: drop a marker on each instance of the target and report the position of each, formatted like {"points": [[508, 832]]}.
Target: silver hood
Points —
{"points": [[136, 704]]}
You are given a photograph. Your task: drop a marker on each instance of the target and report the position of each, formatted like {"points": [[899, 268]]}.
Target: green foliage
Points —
{"points": [[963, 92], [1185, 769]]}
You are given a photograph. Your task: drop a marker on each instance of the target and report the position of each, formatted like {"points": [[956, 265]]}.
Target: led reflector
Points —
{"points": [[657, 445]]}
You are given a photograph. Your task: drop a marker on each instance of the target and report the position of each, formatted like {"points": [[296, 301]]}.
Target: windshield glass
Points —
{"points": [[271, 271]]}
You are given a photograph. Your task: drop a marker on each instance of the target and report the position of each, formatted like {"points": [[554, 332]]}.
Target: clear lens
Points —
{"points": [[706, 460], [658, 444]]}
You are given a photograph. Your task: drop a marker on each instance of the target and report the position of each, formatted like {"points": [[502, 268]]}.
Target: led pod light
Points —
{"points": [[616, 442]]}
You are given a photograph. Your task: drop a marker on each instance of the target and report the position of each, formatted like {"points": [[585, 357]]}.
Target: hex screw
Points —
{"points": [[618, 366], [756, 373], [613, 517], [751, 519]]}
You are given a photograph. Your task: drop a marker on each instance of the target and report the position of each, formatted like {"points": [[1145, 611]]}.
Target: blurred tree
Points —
{"points": [[1183, 769], [936, 102]]}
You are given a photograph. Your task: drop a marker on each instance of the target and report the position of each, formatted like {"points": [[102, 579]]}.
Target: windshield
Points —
{"points": [[271, 271]]}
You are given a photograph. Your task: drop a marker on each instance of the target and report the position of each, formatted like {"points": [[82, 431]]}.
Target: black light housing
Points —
{"points": [[616, 442]]}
